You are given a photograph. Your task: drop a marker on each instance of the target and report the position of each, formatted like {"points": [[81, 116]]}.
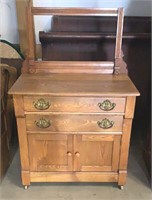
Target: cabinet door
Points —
{"points": [[96, 152], [50, 152]]}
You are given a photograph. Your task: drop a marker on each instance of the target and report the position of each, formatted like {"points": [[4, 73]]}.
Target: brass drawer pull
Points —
{"points": [[106, 105], [43, 123], [105, 123], [41, 104]]}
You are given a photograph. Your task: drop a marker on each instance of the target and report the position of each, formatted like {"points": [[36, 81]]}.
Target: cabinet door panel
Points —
{"points": [[50, 152], [96, 152]]}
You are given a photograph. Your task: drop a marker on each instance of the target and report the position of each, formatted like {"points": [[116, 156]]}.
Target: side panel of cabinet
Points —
{"points": [[96, 152], [50, 152]]}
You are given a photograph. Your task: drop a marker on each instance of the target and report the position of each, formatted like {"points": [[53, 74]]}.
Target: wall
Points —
{"points": [[8, 29], [132, 7], [8, 21]]}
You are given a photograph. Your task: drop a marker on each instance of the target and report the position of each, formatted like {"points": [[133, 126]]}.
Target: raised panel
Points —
{"points": [[96, 152], [50, 152]]}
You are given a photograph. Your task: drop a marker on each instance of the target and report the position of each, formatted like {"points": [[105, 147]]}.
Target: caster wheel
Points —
{"points": [[25, 187], [121, 187]]}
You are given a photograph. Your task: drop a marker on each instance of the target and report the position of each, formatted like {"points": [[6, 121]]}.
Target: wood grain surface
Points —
{"points": [[73, 123], [74, 85], [74, 104]]}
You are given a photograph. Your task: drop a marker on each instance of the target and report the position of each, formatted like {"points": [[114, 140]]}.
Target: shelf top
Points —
{"points": [[74, 85]]}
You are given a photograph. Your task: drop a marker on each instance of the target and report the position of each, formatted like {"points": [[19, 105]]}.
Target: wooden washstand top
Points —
{"points": [[74, 84]]}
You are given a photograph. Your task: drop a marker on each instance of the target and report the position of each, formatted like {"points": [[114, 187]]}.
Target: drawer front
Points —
{"points": [[74, 123], [74, 104]]}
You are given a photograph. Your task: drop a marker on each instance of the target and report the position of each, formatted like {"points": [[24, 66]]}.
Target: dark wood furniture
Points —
{"points": [[74, 117], [8, 77], [76, 38]]}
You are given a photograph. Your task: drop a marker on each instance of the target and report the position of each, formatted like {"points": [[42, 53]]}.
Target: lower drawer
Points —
{"points": [[74, 123]]}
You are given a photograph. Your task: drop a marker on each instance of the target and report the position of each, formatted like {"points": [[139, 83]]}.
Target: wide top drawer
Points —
{"points": [[74, 104]]}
